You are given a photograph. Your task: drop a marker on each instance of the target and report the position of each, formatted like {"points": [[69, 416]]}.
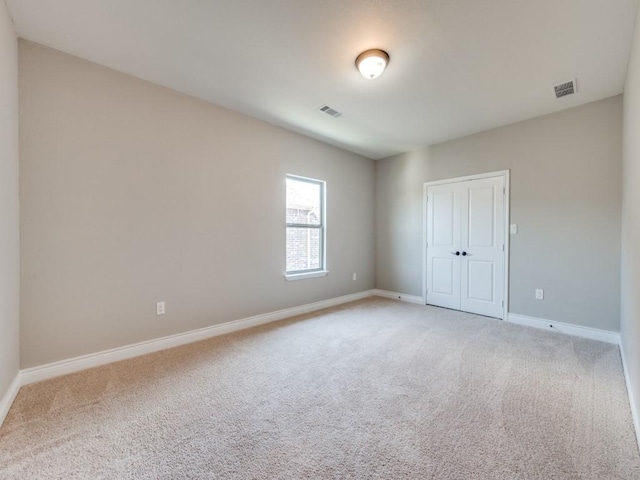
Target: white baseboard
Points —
{"points": [[399, 296], [76, 364], [9, 397], [634, 412], [568, 328]]}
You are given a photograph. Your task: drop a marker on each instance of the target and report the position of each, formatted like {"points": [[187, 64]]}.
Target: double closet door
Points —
{"points": [[465, 245]]}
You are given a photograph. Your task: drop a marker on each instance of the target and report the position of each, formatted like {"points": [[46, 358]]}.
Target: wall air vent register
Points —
{"points": [[566, 88], [330, 111]]}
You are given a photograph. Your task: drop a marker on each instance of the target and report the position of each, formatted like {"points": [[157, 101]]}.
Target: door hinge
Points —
{"points": [[503, 304], [503, 247], [504, 190]]}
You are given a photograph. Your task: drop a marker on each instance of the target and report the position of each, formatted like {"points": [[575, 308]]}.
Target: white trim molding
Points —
{"points": [[9, 397], [76, 364], [635, 415], [291, 277], [399, 296], [567, 328]]}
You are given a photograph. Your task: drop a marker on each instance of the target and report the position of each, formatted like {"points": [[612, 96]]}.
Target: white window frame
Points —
{"points": [[322, 270]]}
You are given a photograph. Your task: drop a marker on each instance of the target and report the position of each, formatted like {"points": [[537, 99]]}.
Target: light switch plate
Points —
{"points": [[513, 229]]}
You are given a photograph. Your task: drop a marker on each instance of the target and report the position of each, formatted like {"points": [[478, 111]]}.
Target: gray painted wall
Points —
{"points": [[565, 198], [630, 271], [9, 220], [132, 193]]}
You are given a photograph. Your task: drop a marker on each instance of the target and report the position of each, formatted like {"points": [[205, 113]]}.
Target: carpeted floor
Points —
{"points": [[370, 390]]}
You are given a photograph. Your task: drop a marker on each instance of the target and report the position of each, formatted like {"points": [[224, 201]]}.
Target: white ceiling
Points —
{"points": [[457, 66]]}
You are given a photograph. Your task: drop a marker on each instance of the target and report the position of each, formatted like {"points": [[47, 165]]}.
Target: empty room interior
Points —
{"points": [[284, 239]]}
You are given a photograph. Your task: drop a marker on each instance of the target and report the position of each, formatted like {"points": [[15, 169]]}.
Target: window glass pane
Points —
{"points": [[303, 248], [304, 200]]}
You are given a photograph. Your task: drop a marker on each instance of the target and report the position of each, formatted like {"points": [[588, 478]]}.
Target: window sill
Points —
{"points": [[290, 277]]}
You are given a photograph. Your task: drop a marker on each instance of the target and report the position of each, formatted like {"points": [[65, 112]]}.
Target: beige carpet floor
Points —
{"points": [[375, 389]]}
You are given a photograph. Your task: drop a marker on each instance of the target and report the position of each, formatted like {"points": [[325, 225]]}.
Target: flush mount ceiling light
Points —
{"points": [[372, 63]]}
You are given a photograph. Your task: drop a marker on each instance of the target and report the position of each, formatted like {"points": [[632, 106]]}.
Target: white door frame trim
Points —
{"points": [[507, 200]]}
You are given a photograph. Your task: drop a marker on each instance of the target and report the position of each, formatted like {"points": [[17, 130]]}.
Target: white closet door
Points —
{"points": [[443, 237], [465, 246], [482, 232]]}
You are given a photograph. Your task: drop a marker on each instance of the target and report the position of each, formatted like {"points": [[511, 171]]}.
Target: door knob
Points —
{"points": [[455, 253], [464, 254]]}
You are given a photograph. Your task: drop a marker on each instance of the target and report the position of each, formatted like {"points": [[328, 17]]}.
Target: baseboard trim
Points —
{"points": [[399, 296], [635, 415], [567, 328], [9, 397], [76, 364]]}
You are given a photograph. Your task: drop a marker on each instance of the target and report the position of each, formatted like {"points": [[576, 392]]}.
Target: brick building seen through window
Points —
{"points": [[305, 227]]}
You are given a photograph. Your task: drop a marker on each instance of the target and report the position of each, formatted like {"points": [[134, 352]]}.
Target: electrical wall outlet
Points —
{"points": [[539, 294], [160, 309], [355, 276]]}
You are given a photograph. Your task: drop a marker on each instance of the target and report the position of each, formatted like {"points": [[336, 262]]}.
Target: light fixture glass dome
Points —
{"points": [[372, 63]]}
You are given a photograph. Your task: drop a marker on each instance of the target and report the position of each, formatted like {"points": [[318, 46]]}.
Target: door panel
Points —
{"points": [[443, 206], [443, 276], [443, 235], [481, 217], [482, 239], [481, 281]]}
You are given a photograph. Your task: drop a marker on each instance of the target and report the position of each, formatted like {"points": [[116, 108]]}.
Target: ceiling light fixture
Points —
{"points": [[372, 63]]}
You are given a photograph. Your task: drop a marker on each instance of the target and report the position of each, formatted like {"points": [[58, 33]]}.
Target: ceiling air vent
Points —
{"points": [[566, 88], [330, 111]]}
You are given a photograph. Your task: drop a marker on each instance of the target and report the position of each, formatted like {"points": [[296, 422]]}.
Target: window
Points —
{"points": [[305, 228]]}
